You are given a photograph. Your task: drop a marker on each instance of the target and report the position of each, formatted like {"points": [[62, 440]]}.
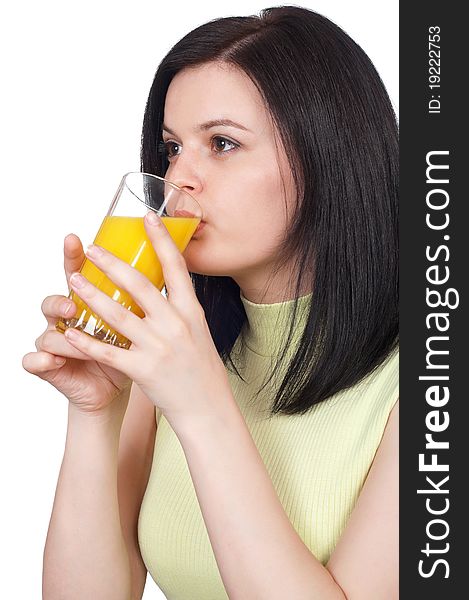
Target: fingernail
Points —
{"points": [[77, 280], [153, 218], [94, 251], [59, 361], [66, 307], [72, 334]]}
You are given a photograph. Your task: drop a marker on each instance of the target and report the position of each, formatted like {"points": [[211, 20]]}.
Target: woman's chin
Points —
{"points": [[194, 257], [201, 263]]}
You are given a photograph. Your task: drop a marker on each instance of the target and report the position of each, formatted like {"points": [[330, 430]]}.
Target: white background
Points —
{"points": [[74, 81]]}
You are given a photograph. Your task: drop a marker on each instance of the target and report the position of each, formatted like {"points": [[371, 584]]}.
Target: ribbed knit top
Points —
{"points": [[318, 462]]}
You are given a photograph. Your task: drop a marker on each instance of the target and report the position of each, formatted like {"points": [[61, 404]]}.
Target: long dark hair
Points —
{"points": [[339, 130]]}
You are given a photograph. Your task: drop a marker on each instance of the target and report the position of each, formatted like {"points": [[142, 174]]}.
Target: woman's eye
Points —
{"points": [[171, 149], [219, 145], [222, 145]]}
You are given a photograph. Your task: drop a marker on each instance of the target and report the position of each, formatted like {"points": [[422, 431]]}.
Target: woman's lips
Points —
{"points": [[200, 226]]}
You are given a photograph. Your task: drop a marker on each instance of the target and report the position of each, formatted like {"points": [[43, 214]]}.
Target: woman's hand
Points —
{"points": [[89, 385], [172, 358]]}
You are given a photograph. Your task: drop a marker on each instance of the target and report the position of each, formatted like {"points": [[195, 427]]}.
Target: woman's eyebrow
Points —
{"points": [[213, 123]]}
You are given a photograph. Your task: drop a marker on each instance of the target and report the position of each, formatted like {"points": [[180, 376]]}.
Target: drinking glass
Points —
{"points": [[122, 232]]}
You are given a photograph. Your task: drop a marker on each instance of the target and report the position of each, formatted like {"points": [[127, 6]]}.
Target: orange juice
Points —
{"points": [[125, 237]]}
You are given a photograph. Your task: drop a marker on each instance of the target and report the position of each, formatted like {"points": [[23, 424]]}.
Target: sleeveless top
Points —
{"points": [[317, 462]]}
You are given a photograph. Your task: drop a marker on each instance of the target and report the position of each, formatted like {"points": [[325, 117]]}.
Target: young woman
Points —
{"points": [[246, 446]]}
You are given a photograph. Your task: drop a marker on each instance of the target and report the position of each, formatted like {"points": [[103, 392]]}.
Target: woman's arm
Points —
{"points": [[258, 552], [85, 554], [366, 559]]}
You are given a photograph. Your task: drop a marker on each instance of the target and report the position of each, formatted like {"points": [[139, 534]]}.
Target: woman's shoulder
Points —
{"points": [[377, 394], [386, 374], [366, 405]]}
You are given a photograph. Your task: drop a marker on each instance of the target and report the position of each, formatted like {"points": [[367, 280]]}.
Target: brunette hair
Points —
{"points": [[339, 130]]}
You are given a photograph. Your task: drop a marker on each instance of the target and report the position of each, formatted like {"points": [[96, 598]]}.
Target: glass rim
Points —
{"points": [[173, 185]]}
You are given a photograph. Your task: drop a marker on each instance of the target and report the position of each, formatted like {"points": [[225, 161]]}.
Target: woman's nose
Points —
{"points": [[184, 174]]}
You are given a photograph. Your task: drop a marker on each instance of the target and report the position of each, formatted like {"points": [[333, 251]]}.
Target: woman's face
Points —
{"points": [[234, 170]]}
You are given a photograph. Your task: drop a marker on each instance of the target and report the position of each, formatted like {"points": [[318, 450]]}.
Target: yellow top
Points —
{"points": [[318, 463]]}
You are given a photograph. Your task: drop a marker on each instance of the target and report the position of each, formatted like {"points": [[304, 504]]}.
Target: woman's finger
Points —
{"points": [[54, 342], [126, 277], [55, 307], [74, 256], [119, 318], [38, 363], [106, 354], [177, 280]]}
